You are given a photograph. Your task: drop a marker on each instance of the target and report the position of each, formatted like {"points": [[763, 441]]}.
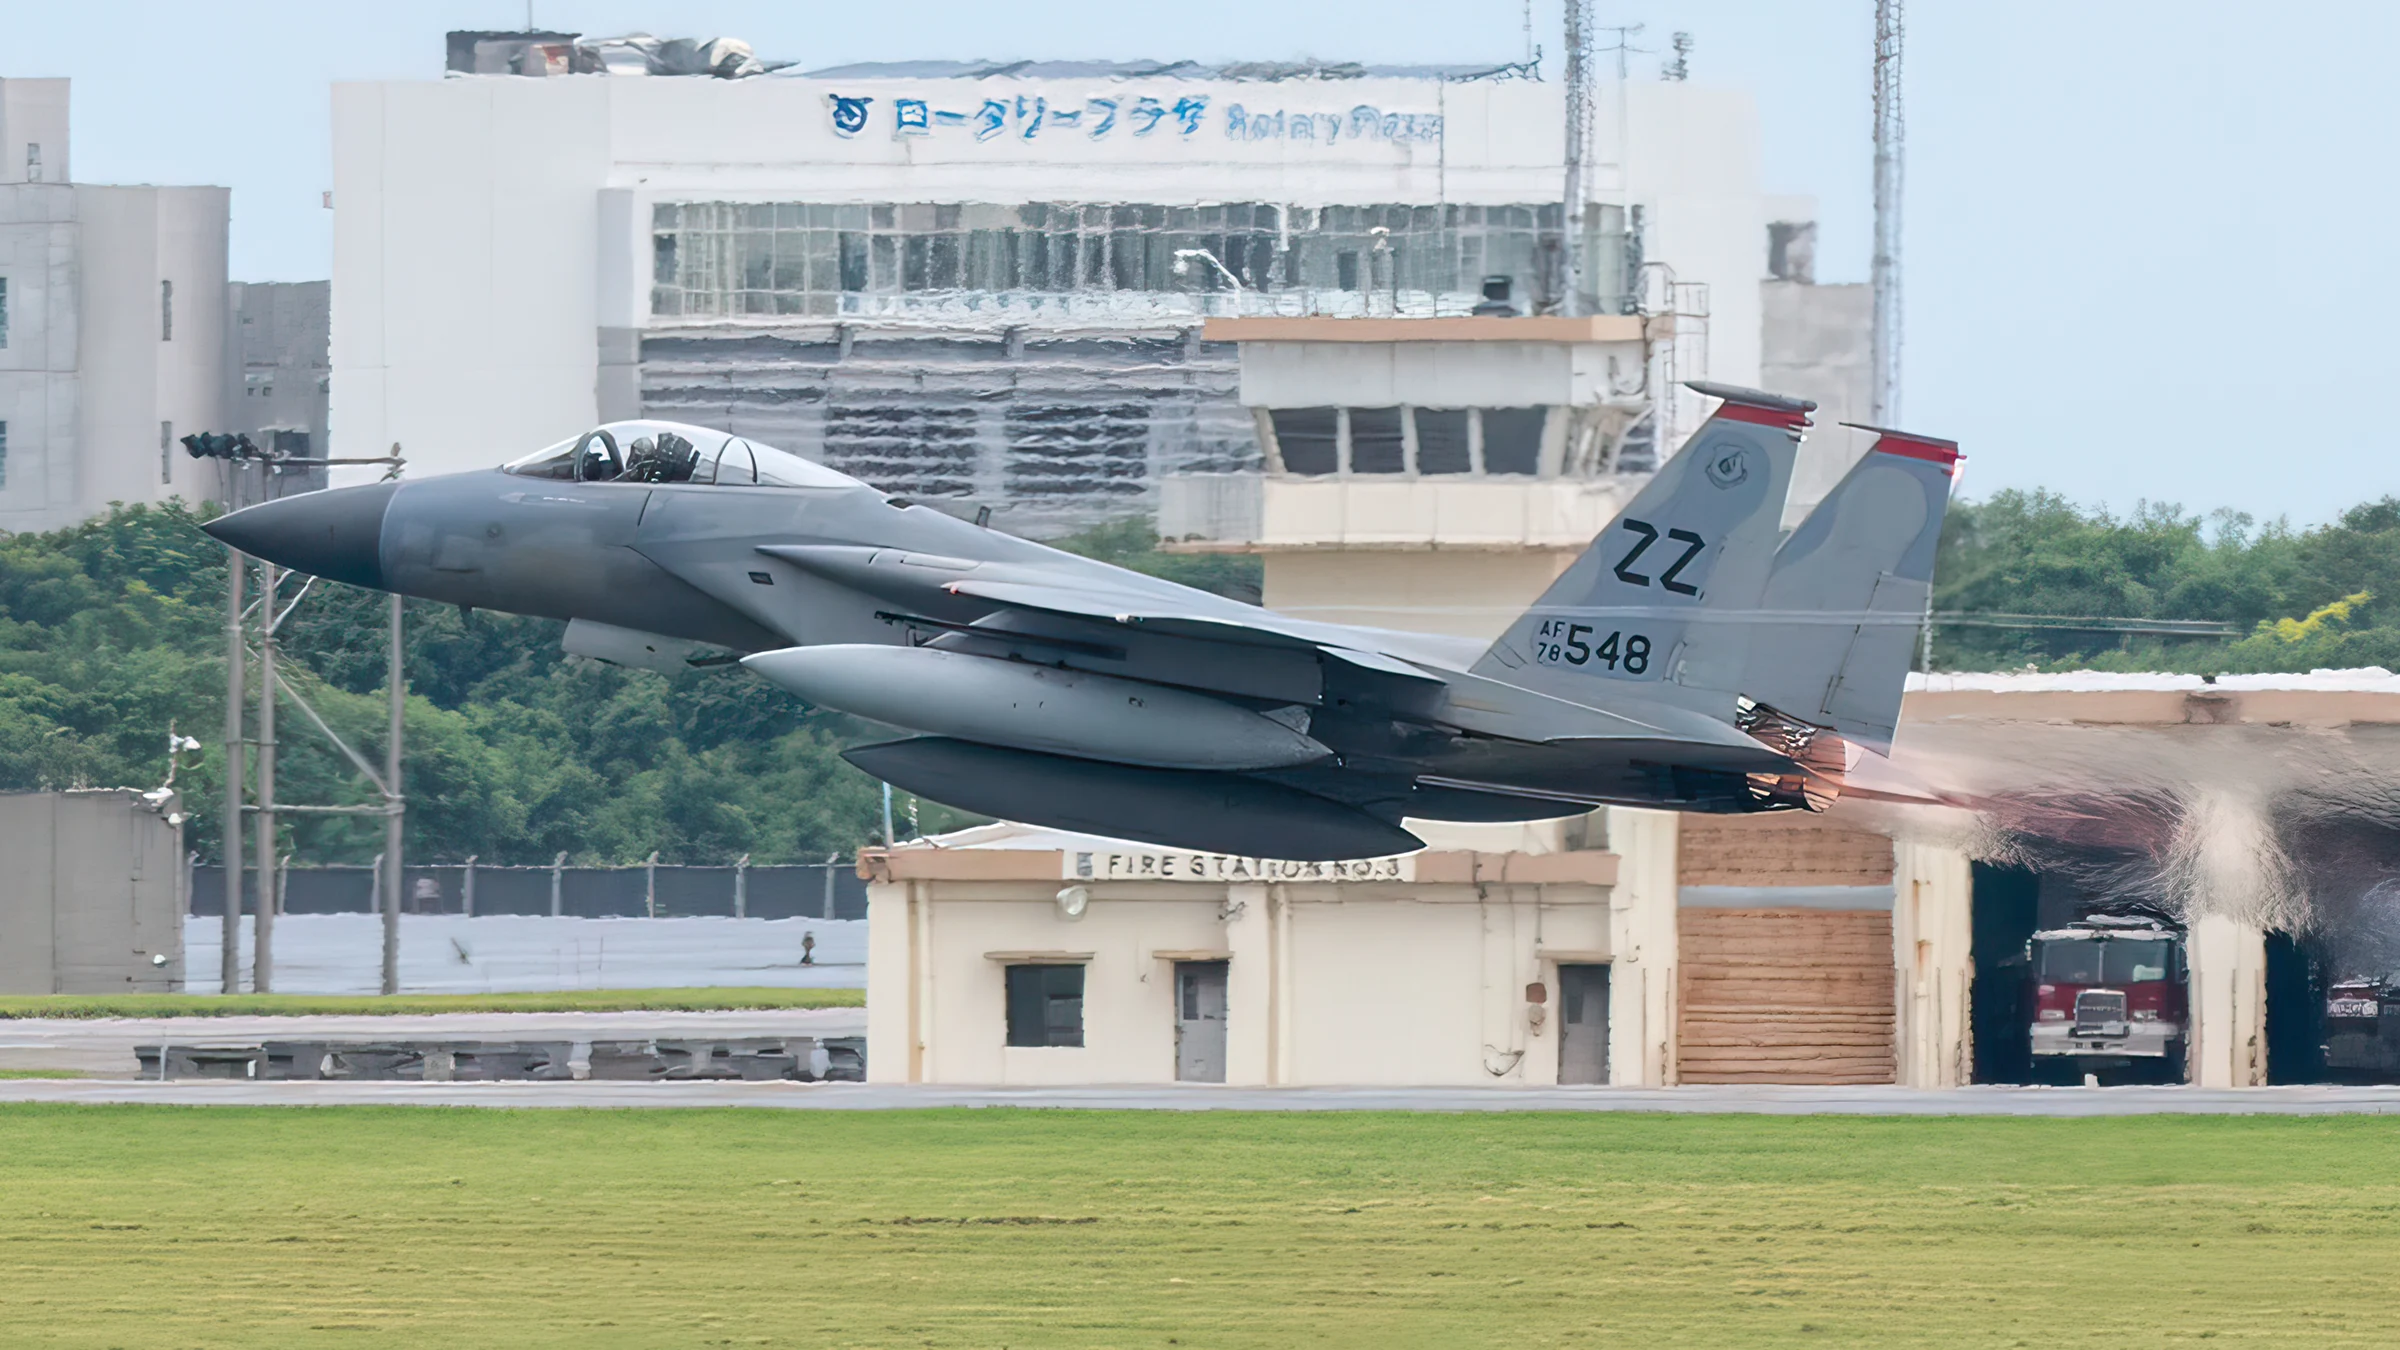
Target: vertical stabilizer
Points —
{"points": [[1659, 606], [1846, 596]]}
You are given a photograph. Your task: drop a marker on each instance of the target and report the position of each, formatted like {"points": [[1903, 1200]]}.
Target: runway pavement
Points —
{"points": [[105, 1045], [1860, 1101]]}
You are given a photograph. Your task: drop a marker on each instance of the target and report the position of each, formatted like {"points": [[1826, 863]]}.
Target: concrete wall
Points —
{"points": [[1933, 963], [278, 345], [1390, 983], [465, 244], [140, 372], [2228, 993], [40, 390], [1817, 342], [1644, 946], [91, 894], [480, 236], [90, 380], [1482, 374]]}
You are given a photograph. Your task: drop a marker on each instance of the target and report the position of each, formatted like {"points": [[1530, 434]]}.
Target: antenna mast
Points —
{"points": [[1579, 152], [1890, 131]]}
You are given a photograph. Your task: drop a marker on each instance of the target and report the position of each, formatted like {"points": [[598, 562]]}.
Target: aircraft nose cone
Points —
{"points": [[335, 534]]}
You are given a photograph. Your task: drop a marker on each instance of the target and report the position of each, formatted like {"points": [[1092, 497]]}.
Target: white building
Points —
{"points": [[112, 327], [970, 283]]}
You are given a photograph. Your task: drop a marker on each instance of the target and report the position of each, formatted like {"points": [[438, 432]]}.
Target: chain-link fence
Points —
{"points": [[643, 890]]}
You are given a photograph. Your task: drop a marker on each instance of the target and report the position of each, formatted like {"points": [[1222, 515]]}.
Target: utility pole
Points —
{"points": [[1890, 129], [262, 938], [395, 806], [239, 454], [237, 754]]}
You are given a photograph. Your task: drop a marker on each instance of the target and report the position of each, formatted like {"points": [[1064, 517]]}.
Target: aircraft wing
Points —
{"points": [[1254, 627]]}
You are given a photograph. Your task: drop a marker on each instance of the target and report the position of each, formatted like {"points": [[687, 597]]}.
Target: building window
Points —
{"points": [[742, 259], [1377, 444], [33, 162], [3, 311], [1310, 439], [1443, 445], [3, 456], [166, 311], [166, 443], [1512, 439], [1045, 1005]]}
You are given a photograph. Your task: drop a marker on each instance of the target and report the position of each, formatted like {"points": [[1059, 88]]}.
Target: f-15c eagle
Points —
{"points": [[1692, 658]]}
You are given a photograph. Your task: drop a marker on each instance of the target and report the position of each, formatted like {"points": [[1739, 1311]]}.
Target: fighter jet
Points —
{"points": [[1693, 658]]}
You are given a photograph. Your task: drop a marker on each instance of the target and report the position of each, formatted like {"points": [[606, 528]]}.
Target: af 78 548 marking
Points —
{"points": [[1558, 642]]}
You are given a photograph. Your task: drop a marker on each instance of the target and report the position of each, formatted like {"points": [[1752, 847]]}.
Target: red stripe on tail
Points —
{"points": [[1765, 417], [1938, 452]]}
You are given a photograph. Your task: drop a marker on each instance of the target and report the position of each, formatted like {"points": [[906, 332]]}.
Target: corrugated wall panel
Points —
{"points": [[1786, 996], [1779, 850]]}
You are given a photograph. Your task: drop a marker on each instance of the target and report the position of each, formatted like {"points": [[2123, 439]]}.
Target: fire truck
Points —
{"points": [[2362, 1030], [2107, 994]]}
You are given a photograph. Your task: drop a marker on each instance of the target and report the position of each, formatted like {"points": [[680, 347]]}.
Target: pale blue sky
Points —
{"points": [[2148, 248]]}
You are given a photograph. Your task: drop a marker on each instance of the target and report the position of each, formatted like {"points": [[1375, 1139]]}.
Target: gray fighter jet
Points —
{"points": [[1691, 659]]}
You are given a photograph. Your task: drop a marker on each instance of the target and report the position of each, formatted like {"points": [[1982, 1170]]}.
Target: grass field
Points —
{"points": [[295, 1005], [145, 1226]]}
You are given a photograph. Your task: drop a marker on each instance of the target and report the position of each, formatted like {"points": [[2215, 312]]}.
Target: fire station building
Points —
{"points": [[1624, 947]]}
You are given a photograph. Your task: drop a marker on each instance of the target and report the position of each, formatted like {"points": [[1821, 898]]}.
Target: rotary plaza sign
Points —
{"points": [[1183, 117]]}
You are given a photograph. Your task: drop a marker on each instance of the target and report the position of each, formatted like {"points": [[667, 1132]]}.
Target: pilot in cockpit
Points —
{"points": [[668, 458]]}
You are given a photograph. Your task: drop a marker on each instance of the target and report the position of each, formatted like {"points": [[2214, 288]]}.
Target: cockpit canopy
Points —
{"points": [[672, 452]]}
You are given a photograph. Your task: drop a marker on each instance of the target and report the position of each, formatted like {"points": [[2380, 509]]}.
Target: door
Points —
{"points": [[1200, 1021], [1582, 1024]]}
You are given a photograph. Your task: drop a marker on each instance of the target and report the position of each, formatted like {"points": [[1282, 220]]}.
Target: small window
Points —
{"points": [[3, 311], [1375, 441], [1512, 439], [166, 311], [166, 445], [1045, 1005], [1442, 441], [1308, 438], [3, 456]]}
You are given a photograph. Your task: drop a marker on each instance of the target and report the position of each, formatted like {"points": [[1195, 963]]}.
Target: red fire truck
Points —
{"points": [[2362, 1030], [2108, 998]]}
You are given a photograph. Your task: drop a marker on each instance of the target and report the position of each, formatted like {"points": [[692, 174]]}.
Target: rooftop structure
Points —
{"points": [[969, 282]]}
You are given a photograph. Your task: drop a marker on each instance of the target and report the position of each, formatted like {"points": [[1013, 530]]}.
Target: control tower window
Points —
{"points": [[1310, 439], [1512, 439]]}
